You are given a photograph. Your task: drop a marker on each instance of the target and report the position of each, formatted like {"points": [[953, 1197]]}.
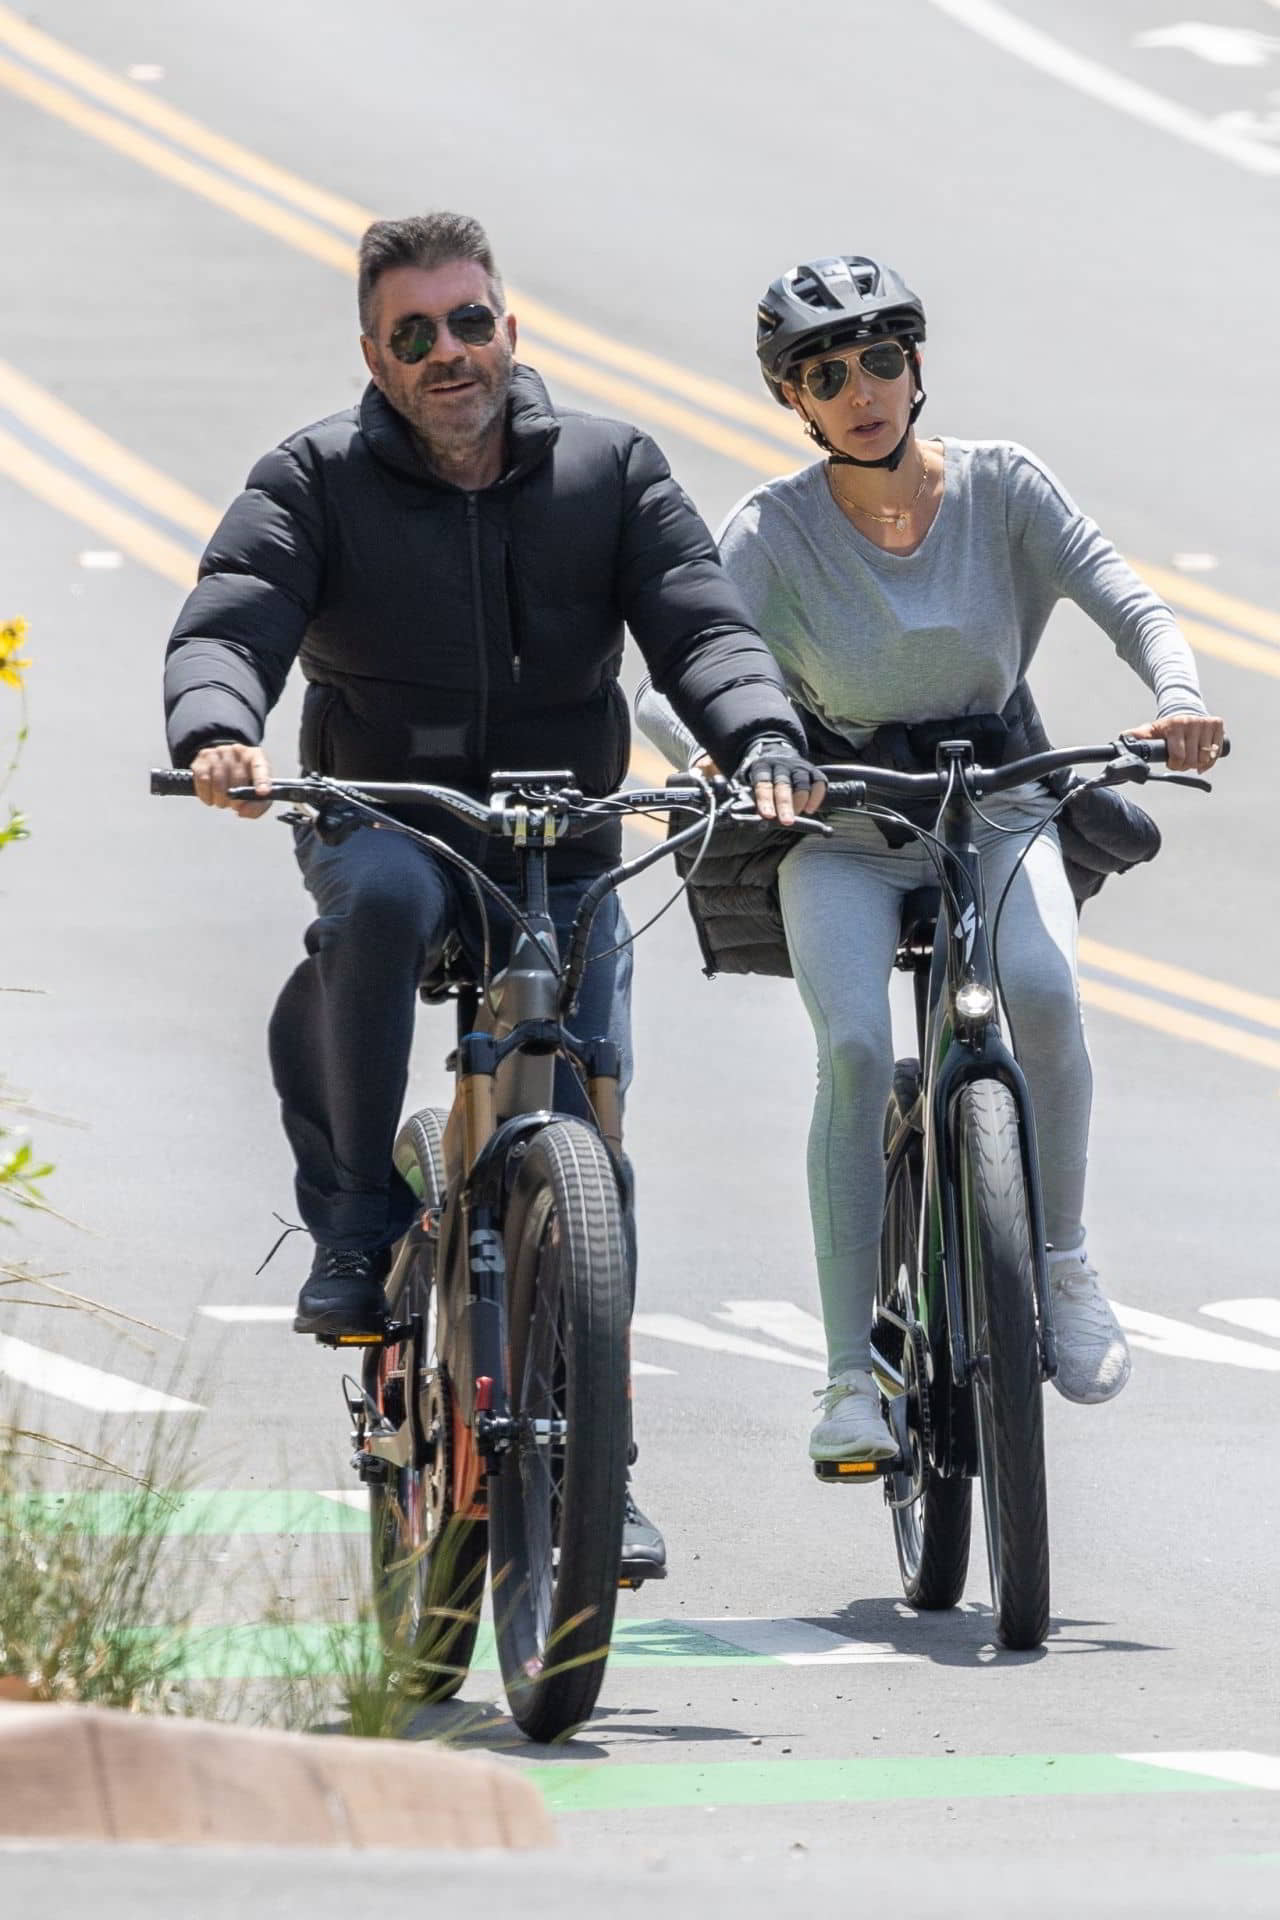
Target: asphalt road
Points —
{"points": [[1089, 211]]}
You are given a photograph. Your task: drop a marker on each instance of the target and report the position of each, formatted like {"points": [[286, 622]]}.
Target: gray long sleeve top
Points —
{"points": [[866, 637]]}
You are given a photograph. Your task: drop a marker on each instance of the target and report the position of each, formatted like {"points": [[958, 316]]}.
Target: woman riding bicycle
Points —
{"points": [[901, 582]]}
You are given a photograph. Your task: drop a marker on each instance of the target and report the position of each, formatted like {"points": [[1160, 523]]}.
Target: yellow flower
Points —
{"points": [[12, 664]]}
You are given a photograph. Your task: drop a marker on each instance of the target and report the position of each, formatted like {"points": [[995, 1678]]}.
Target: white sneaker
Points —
{"points": [[1093, 1354], [853, 1425]]}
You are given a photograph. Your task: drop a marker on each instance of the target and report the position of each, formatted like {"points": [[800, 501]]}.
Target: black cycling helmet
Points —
{"points": [[821, 305]]}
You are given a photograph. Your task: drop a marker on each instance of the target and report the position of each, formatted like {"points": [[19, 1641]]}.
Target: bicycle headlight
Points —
{"points": [[974, 1002]]}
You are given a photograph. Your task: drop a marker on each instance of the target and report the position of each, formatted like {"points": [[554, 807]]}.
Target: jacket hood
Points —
{"points": [[532, 430]]}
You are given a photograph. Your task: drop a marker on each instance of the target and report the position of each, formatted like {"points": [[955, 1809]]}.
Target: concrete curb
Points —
{"points": [[92, 1773]]}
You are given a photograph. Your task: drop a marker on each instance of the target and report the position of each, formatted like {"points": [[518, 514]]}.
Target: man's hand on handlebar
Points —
{"points": [[1194, 740], [783, 783], [232, 764]]}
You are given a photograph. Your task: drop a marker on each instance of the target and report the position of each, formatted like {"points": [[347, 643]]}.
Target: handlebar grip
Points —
{"points": [[1156, 752], [172, 782]]}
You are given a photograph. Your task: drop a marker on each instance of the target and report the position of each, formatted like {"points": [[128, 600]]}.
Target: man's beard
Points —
{"points": [[468, 421]]}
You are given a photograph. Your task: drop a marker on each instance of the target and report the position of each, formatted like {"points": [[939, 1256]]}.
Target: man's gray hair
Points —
{"points": [[422, 240]]}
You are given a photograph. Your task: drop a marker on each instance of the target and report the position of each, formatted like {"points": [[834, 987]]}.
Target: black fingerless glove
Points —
{"points": [[772, 758]]}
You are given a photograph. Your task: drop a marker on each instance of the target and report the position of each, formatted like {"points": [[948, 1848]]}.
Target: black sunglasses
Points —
{"points": [[886, 360], [413, 337]]}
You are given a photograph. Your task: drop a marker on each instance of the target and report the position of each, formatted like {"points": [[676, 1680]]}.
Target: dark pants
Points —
{"points": [[342, 1029]]}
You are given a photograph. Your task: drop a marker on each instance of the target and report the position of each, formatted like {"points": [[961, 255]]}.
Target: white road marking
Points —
{"points": [[689, 1333], [85, 1386], [1260, 1316], [1220, 46], [249, 1315], [797, 1643], [1243, 1769], [780, 1319], [262, 1316], [1003, 29], [1179, 1340], [357, 1497]]}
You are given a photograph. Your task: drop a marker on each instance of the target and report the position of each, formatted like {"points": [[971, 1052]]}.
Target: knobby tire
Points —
{"points": [[556, 1505]]}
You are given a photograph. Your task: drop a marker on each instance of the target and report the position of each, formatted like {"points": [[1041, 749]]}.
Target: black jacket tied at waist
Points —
{"points": [[445, 635], [733, 896]]}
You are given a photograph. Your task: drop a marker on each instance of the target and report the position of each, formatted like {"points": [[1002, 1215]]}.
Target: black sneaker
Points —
{"points": [[644, 1551], [342, 1296]]}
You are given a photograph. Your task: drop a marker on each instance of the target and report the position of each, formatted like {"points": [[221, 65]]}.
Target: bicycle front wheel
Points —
{"points": [[556, 1502], [1005, 1347]]}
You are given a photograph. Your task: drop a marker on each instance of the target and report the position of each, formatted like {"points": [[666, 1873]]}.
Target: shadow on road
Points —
{"points": [[962, 1637]]}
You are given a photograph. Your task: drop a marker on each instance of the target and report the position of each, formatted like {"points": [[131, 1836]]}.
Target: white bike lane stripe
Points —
{"points": [[83, 1385], [784, 1321], [1241, 1768], [1258, 1316], [1014, 36]]}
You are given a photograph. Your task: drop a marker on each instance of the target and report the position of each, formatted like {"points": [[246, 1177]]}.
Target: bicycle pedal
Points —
{"points": [[855, 1472], [392, 1335]]}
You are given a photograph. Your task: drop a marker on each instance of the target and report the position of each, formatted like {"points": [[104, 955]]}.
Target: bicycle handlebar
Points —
{"points": [[848, 784]]}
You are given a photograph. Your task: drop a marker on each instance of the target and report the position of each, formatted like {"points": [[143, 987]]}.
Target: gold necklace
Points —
{"points": [[898, 520]]}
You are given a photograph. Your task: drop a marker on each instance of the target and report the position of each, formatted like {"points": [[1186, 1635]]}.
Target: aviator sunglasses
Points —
{"points": [[886, 360], [413, 337]]}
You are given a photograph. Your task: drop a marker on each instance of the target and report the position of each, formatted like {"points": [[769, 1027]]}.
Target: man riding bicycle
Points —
{"points": [[452, 560]]}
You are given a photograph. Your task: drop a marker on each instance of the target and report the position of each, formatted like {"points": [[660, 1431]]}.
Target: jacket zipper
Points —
{"points": [[477, 604], [515, 614]]}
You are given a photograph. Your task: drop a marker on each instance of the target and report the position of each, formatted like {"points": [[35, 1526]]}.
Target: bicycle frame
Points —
{"points": [[508, 1040], [960, 1040]]}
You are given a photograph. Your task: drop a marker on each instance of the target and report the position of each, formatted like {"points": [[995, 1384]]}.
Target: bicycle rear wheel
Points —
{"points": [[428, 1559], [932, 1514], [557, 1499], [1004, 1342]]}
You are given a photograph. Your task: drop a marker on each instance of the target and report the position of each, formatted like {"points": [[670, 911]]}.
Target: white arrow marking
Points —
{"points": [[1243, 1769], [1024, 42], [1178, 1340], [86, 1386], [1220, 46], [671, 1326], [780, 1319], [796, 1643], [1260, 1316]]}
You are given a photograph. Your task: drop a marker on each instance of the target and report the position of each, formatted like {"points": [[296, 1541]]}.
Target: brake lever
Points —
{"points": [[1182, 780], [743, 814]]}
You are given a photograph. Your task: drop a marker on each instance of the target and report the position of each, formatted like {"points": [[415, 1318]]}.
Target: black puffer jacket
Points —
{"points": [[448, 634]]}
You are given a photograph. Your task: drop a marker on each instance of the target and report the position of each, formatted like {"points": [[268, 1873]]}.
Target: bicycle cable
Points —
{"points": [[713, 818]]}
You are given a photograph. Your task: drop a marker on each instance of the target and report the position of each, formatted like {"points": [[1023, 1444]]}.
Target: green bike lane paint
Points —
{"points": [[612, 1786]]}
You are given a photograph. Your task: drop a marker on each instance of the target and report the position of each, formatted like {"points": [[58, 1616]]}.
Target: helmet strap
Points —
{"points": [[890, 460]]}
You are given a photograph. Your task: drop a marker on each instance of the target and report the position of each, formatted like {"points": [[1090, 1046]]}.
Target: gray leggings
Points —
{"points": [[841, 901]]}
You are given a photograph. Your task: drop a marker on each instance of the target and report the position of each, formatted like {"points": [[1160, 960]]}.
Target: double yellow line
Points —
{"points": [[750, 432], [67, 434]]}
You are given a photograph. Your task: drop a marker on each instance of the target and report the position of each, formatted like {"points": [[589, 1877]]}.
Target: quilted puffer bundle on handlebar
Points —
{"points": [[733, 897]]}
